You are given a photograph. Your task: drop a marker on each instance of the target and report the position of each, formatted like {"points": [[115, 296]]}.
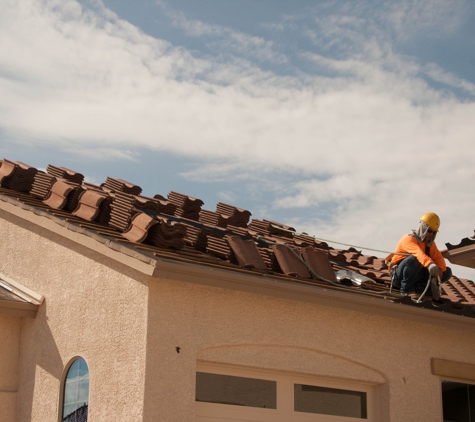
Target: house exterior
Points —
{"points": [[157, 333]]}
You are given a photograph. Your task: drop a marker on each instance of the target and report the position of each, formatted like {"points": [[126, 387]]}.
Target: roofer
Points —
{"points": [[411, 273]]}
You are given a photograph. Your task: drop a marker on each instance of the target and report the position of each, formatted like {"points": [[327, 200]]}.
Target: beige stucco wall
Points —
{"points": [[9, 356], [128, 327], [238, 328], [94, 307]]}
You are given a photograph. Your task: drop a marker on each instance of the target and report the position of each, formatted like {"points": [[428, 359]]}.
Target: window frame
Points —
{"points": [[62, 389], [285, 396], [451, 379]]}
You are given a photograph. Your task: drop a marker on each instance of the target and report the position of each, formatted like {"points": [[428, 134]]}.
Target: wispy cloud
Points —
{"points": [[408, 17], [226, 40]]}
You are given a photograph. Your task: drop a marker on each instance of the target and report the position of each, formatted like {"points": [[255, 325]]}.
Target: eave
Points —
{"points": [[283, 287]]}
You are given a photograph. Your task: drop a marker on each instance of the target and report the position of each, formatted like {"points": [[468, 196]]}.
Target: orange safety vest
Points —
{"points": [[409, 244]]}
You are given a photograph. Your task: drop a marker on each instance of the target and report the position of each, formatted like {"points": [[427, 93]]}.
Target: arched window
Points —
{"points": [[76, 392]]}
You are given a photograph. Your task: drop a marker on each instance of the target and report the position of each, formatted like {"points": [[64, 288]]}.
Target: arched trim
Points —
{"points": [[293, 359]]}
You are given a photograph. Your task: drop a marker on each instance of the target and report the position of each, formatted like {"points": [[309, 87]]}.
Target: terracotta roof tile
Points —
{"points": [[42, 184], [466, 241], [240, 217], [65, 173], [157, 204], [157, 237], [289, 262], [178, 228], [119, 185], [89, 202], [215, 219], [122, 210], [17, 176], [58, 195], [187, 206], [246, 253], [219, 247], [139, 227], [318, 261]]}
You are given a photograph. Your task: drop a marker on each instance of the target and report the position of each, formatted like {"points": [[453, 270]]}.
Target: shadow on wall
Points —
{"points": [[78, 248], [40, 364]]}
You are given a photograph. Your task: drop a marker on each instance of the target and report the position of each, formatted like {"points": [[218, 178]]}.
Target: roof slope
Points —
{"points": [[177, 227]]}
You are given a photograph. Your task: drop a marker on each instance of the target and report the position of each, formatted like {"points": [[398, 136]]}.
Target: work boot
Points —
{"points": [[435, 289]]}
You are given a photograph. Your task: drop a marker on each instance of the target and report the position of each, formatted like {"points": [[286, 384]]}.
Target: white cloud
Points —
{"points": [[375, 145]]}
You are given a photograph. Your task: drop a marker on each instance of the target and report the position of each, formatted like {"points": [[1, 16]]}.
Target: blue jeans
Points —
{"points": [[412, 276]]}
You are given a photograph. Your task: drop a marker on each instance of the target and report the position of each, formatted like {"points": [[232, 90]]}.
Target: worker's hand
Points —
{"points": [[434, 270]]}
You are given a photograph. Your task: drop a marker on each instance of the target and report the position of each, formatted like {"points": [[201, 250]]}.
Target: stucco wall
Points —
{"points": [[9, 356], [238, 328], [142, 337], [94, 307]]}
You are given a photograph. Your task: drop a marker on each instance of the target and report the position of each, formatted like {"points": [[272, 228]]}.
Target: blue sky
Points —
{"points": [[345, 119]]}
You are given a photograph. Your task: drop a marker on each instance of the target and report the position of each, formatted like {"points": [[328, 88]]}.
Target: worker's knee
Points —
{"points": [[446, 275]]}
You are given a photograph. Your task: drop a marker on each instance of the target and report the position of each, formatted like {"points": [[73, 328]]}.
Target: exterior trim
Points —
{"points": [[20, 290], [19, 309], [451, 369]]}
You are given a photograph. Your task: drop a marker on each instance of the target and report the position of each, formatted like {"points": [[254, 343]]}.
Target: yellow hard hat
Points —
{"points": [[432, 220]]}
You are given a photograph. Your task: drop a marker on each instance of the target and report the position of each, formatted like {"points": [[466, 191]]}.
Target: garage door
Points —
{"points": [[230, 394]]}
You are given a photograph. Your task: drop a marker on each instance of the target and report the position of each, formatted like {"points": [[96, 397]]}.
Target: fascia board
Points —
{"points": [[20, 290], [18, 309]]}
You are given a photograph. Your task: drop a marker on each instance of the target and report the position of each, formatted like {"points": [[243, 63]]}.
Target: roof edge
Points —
{"points": [[101, 244], [20, 290]]}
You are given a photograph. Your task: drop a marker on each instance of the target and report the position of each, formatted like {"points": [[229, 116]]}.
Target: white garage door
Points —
{"points": [[229, 394]]}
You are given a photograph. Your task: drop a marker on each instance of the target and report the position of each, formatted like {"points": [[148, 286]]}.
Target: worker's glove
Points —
{"points": [[434, 270]]}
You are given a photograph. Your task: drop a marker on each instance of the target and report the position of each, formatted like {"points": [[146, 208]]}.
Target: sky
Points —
{"points": [[346, 120]]}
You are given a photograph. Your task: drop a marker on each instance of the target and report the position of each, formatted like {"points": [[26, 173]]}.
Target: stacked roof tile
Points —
{"points": [[122, 210], [17, 176], [167, 234], [65, 173], [224, 237], [237, 216], [120, 185], [213, 218], [187, 207], [42, 184]]}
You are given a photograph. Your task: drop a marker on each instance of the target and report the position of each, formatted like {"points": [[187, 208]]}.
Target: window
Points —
{"points": [[329, 401], [250, 395], [76, 392], [238, 391], [458, 401]]}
